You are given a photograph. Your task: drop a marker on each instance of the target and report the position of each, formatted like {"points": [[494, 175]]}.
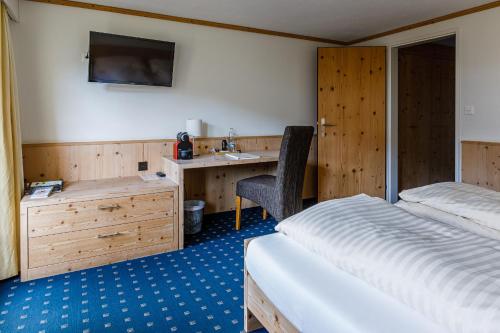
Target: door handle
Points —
{"points": [[109, 207], [324, 125]]}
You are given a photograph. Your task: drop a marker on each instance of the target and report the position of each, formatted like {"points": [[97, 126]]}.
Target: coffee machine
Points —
{"points": [[183, 148]]}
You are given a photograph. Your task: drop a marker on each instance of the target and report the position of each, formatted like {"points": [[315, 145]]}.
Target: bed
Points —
{"points": [[362, 265], [333, 302]]}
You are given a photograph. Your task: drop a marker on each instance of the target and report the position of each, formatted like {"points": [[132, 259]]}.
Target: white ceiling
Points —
{"points": [[343, 20]]}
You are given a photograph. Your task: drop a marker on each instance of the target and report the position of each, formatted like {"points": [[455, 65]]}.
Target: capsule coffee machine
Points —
{"points": [[183, 148]]}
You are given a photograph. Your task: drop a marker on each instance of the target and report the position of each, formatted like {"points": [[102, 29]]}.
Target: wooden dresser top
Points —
{"points": [[101, 189]]}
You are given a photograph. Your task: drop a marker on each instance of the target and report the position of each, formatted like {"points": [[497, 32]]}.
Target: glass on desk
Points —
{"points": [[231, 143], [215, 152]]}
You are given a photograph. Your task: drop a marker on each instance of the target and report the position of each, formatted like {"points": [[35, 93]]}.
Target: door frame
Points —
{"points": [[392, 108]]}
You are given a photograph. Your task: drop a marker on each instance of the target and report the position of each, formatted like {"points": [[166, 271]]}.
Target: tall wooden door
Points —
{"points": [[426, 115], [351, 121]]}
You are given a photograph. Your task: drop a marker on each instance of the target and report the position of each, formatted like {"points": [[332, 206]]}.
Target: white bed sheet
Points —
{"points": [[318, 297]]}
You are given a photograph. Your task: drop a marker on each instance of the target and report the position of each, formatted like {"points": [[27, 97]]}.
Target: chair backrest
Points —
{"points": [[292, 161]]}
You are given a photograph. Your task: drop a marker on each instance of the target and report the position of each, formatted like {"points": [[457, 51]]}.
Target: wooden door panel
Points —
{"points": [[351, 122], [426, 116], [330, 108]]}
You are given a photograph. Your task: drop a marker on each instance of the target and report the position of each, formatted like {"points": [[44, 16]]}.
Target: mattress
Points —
{"points": [[315, 296]]}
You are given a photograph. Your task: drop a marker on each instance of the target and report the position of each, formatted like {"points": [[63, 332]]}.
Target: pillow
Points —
{"points": [[464, 223], [478, 204]]}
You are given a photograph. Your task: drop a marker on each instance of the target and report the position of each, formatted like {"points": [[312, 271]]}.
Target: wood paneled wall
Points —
{"points": [[100, 160], [481, 164], [426, 120]]}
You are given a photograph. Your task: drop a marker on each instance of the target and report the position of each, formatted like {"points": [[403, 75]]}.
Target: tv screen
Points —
{"points": [[130, 60]]}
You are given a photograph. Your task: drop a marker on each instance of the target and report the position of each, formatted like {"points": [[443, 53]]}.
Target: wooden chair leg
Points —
{"points": [[264, 214], [238, 212]]}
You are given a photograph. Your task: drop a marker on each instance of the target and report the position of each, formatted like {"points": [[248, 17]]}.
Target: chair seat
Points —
{"points": [[257, 189], [280, 195]]}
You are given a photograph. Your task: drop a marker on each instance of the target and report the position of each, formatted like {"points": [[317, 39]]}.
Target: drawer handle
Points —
{"points": [[109, 207], [114, 234]]}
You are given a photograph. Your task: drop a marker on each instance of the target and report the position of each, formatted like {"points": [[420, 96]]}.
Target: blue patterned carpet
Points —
{"points": [[198, 289]]}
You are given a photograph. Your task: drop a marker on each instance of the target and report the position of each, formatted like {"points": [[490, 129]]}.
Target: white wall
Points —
{"points": [[478, 81], [478, 65], [255, 83]]}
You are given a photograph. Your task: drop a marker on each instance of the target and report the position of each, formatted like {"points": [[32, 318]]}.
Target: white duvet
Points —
{"points": [[450, 275]]}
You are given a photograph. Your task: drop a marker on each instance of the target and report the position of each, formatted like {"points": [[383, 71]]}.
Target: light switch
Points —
{"points": [[469, 110]]}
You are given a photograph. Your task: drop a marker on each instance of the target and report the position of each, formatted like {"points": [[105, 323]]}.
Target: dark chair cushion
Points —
{"points": [[258, 189]]}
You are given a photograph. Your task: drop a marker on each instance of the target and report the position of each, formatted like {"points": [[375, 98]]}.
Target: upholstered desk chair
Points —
{"points": [[280, 195]]}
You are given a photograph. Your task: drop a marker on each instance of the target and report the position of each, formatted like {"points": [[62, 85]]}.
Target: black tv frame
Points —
{"points": [[89, 56]]}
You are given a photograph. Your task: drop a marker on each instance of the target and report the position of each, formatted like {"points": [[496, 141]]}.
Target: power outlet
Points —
{"points": [[143, 166]]}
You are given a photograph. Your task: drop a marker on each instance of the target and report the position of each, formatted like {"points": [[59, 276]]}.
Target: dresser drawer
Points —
{"points": [[68, 217], [53, 249]]}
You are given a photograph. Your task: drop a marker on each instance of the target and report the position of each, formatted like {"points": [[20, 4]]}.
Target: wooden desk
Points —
{"points": [[174, 169]]}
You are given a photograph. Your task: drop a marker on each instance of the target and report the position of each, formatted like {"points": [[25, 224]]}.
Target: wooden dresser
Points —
{"points": [[93, 223]]}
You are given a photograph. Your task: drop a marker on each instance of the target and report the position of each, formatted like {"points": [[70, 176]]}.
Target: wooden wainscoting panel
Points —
{"points": [[90, 162], [473, 163], [492, 162], [101, 160], [203, 145], [49, 162], [81, 161], [481, 164], [153, 152], [121, 159]]}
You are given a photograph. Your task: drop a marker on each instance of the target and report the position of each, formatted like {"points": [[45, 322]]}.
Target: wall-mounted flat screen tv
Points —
{"points": [[130, 60]]}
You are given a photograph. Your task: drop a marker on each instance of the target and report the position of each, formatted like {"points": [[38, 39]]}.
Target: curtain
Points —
{"points": [[11, 179]]}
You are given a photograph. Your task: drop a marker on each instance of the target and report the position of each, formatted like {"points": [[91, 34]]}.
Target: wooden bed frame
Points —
{"points": [[259, 311]]}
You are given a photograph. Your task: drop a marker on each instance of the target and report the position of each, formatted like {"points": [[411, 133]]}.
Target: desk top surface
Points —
{"points": [[211, 160]]}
